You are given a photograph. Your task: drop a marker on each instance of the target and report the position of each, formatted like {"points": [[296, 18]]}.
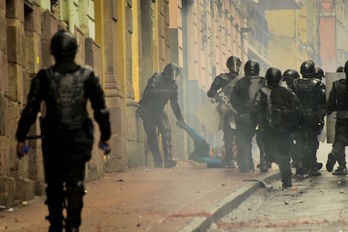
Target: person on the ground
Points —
{"points": [[67, 130], [279, 109], [311, 94], [338, 101], [220, 82], [160, 89], [242, 98]]}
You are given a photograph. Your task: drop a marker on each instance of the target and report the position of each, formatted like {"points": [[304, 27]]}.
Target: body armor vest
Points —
{"points": [[160, 92], [306, 92], [66, 99], [342, 94]]}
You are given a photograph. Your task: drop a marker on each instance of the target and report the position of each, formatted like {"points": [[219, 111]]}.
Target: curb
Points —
{"points": [[228, 204]]}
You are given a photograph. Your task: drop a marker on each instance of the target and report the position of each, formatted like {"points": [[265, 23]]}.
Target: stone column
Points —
{"points": [[113, 95], [7, 183]]}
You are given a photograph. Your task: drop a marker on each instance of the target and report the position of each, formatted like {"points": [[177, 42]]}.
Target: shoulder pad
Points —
{"points": [[87, 67], [87, 70], [224, 76], [314, 81], [266, 90], [154, 79]]}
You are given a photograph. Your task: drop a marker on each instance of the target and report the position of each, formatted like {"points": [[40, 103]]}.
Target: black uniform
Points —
{"points": [[242, 98], [229, 133], [338, 101], [289, 77], [160, 89], [311, 94], [279, 109], [67, 130]]}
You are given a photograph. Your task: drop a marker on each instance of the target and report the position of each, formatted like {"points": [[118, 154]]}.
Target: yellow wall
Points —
{"points": [[135, 51], [289, 38], [155, 42]]}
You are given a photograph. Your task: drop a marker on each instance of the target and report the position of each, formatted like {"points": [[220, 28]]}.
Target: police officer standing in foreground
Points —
{"points": [[311, 94], [233, 64], [160, 89], [67, 130], [338, 101], [242, 98], [278, 107]]}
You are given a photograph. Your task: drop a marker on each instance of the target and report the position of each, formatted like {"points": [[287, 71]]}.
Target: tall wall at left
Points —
{"points": [[26, 27]]}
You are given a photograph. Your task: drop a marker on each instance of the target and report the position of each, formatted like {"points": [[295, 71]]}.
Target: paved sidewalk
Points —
{"points": [[140, 200]]}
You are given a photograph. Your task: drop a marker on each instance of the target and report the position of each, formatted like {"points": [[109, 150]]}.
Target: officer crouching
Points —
{"points": [[67, 137]]}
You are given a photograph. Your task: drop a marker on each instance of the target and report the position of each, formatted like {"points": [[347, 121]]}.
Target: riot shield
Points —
{"points": [[331, 119], [213, 115]]}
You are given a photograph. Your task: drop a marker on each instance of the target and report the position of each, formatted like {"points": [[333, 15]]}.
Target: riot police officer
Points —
{"points": [[246, 121], [289, 77], [233, 64], [67, 130], [340, 69], [338, 101], [279, 109], [319, 73], [311, 94], [160, 89]]}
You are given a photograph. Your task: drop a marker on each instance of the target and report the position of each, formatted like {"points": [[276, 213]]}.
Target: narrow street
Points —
{"points": [[140, 199], [314, 204]]}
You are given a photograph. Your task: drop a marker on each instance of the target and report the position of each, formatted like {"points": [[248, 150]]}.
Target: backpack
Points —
{"points": [[280, 115]]}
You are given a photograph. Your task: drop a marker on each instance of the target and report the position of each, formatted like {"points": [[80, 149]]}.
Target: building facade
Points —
{"points": [[125, 41]]}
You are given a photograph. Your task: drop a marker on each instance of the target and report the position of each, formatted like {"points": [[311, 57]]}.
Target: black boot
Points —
{"points": [[313, 172], [340, 171], [69, 228], [264, 166], [286, 184], [319, 166], [299, 171], [158, 164], [331, 161], [169, 163]]}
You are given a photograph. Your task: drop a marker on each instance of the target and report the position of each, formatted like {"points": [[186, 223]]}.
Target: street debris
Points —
{"points": [[286, 202], [24, 203]]}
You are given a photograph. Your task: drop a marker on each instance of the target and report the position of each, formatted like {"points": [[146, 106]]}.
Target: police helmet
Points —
{"points": [[251, 68], [233, 64], [273, 77], [319, 73], [172, 71], [307, 69], [340, 69], [63, 45]]}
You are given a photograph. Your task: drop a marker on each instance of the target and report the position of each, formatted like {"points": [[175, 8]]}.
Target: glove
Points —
{"points": [[180, 123], [22, 149], [105, 146]]}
